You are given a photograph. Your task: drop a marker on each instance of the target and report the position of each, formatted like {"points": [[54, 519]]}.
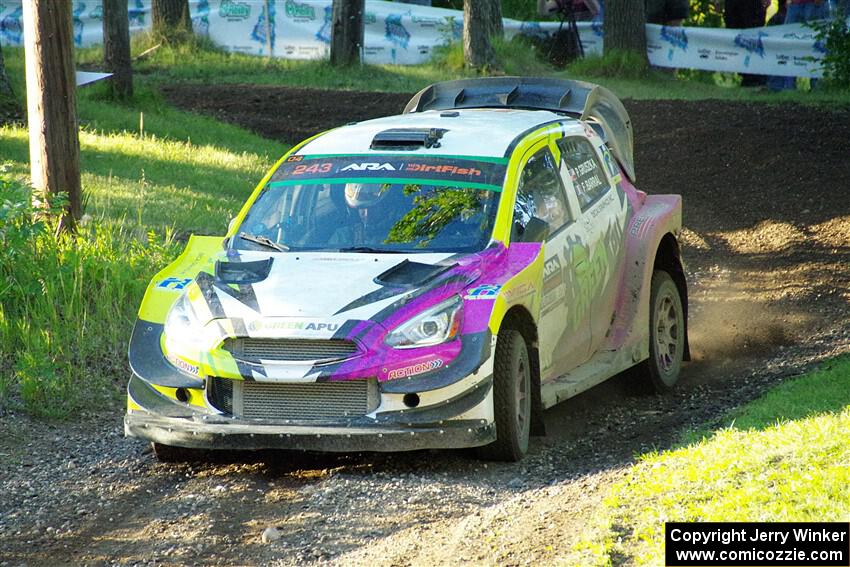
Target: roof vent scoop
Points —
{"points": [[408, 139]]}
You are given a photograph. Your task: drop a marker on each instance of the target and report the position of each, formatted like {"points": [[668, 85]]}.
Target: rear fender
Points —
{"points": [[659, 216]]}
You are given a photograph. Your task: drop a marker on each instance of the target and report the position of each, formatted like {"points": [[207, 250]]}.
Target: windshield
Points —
{"points": [[325, 204]]}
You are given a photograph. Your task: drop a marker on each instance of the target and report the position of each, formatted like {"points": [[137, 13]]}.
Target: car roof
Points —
{"points": [[469, 132]]}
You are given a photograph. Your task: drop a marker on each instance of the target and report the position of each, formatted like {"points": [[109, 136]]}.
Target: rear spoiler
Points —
{"points": [[585, 101]]}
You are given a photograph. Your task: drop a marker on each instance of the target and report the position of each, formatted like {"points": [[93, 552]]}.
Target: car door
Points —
{"points": [[602, 214], [563, 331]]}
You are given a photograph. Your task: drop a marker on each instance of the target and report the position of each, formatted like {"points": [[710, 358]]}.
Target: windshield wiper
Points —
{"points": [[264, 241], [370, 250]]}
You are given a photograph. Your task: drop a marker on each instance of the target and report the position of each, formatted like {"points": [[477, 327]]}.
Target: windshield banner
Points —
{"points": [[391, 168]]}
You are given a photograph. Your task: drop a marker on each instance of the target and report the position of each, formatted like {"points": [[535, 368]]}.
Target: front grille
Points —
{"points": [[308, 401], [290, 350]]}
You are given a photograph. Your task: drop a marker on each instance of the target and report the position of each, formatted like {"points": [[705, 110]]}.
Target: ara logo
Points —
{"points": [[136, 13], [324, 33], [820, 46], [369, 167], [234, 11], [79, 25]]}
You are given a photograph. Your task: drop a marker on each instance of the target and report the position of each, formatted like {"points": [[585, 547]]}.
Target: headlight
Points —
{"points": [[432, 327], [182, 325]]}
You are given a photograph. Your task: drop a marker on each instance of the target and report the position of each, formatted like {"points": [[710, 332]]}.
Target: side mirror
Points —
{"points": [[536, 230]]}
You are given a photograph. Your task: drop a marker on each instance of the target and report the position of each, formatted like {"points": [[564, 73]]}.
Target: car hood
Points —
{"points": [[314, 294]]}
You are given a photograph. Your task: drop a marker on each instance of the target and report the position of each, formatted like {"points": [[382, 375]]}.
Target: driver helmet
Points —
{"points": [[363, 195]]}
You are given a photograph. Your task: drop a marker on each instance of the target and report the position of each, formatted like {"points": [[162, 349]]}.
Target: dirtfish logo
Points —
{"points": [[324, 33], [79, 25], [297, 10], [675, 36], [11, 27], [752, 44], [396, 32], [234, 11], [369, 167]]}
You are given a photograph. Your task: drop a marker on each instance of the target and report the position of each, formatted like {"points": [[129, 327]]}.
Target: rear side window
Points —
{"points": [[540, 193], [584, 170]]}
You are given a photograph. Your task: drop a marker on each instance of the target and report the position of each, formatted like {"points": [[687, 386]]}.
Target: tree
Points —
{"points": [[347, 31], [116, 47], [482, 19], [625, 27], [171, 20], [52, 104]]}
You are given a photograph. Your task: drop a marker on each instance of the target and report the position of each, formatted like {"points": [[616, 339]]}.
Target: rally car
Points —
{"points": [[434, 279]]}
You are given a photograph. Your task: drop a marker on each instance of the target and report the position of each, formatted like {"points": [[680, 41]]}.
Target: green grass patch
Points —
{"points": [[782, 457], [150, 175]]}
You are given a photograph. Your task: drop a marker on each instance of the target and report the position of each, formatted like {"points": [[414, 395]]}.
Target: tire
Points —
{"points": [[511, 399], [666, 334], [171, 454]]}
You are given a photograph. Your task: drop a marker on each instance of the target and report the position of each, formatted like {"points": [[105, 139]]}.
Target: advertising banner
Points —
{"points": [[407, 34]]}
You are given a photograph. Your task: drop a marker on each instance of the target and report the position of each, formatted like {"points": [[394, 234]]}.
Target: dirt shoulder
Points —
{"points": [[768, 251]]}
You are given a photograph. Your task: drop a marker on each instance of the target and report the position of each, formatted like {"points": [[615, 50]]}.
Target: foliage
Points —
{"points": [[833, 37], [67, 304], [704, 13], [524, 10], [516, 56], [783, 457], [433, 210], [616, 63]]}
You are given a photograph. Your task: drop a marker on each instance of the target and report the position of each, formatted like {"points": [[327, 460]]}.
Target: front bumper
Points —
{"points": [[240, 435]]}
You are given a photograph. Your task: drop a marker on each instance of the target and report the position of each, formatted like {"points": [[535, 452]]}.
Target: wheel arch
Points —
{"points": [[519, 318], [668, 257]]}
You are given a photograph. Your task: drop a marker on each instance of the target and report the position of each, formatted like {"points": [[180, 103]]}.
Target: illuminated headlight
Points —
{"points": [[437, 325], [182, 325]]}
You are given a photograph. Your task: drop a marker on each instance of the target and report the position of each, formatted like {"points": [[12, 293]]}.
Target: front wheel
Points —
{"points": [[511, 399], [666, 333]]}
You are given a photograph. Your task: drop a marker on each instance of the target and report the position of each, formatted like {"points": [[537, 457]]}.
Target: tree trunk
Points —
{"points": [[478, 25], [116, 47], [51, 104], [347, 32], [625, 27], [171, 20], [497, 28], [5, 85]]}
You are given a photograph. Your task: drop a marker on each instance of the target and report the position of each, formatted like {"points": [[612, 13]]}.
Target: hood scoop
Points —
{"points": [[242, 273], [411, 274]]}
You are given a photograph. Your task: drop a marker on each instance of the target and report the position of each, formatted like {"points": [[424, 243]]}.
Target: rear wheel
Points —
{"points": [[666, 333], [511, 399]]}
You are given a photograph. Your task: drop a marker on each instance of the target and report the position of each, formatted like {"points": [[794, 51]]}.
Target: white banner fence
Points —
{"points": [[407, 34]]}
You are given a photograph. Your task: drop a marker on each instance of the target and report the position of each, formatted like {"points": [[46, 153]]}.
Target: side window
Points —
{"points": [[585, 171], [540, 194]]}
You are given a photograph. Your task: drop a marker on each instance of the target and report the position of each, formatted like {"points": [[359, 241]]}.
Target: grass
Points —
{"points": [[67, 306], [201, 62], [782, 457]]}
